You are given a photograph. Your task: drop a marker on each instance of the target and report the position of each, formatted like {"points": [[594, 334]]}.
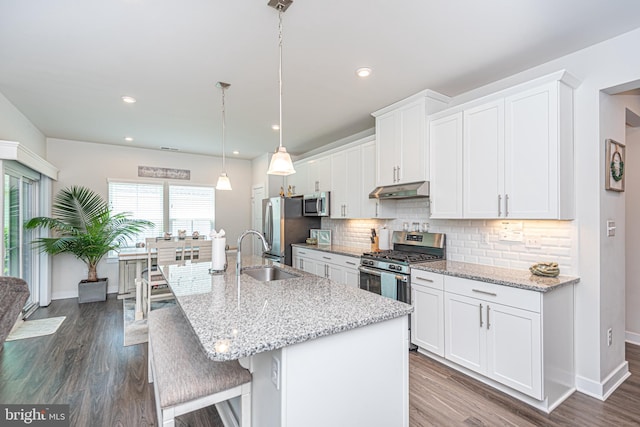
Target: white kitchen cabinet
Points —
{"points": [[483, 148], [517, 154], [373, 208], [495, 331], [513, 156], [339, 268], [538, 153], [319, 174], [401, 144], [346, 183], [299, 180], [445, 155], [427, 319]]}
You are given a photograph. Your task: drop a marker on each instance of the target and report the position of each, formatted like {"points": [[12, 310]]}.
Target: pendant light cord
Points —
{"points": [[280, 67]]}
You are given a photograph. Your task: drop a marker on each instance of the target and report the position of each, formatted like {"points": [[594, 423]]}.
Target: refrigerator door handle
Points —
{"points": [[268, 224]]}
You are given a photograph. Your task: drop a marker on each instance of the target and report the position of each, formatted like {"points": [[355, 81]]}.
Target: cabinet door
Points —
{"points": [[339, 191], [412, 149], [514, 354], [465, 340], [372, 208], [319, 175], [483, 148], [351, 277], [386, 149], [298, 180], [531, 153], [427, 320], [307, 264], [445, 145], [353, 174]]}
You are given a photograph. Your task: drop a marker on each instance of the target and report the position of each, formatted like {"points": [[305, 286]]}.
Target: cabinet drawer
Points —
{"points": [[500, 294], [427, 279]]}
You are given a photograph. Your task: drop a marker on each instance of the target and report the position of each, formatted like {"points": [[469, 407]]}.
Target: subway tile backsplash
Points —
{"points": [[473, 241]]}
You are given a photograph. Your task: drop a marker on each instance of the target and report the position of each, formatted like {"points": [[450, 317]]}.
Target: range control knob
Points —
{"points": [[392, 267]]}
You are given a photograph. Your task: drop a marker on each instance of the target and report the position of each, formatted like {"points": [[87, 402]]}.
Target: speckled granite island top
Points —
{"points": [[334, 249], [270, 315], [501, 276]]}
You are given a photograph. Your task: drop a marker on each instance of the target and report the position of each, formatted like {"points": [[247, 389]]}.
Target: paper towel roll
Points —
{"points": [[383, 243], [219, 257]]}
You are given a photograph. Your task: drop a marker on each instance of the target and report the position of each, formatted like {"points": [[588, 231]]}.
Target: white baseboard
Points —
{"points": [[632, 338], [602, 390]]}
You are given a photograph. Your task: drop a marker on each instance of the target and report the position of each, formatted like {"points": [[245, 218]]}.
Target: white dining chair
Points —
{"points": [[166, 253]]}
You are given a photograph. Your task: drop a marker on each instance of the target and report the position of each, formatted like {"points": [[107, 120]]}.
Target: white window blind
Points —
{"points": [[191, 208], [142, 201]]}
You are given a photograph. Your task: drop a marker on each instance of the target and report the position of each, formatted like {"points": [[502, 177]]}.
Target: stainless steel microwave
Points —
{"points": [[316, 204]]}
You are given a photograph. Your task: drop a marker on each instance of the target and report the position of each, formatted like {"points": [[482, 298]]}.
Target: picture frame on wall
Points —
{"points": [[615, 165]]}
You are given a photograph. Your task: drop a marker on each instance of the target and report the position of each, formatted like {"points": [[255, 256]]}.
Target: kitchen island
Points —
{"points": [[320, 353]]}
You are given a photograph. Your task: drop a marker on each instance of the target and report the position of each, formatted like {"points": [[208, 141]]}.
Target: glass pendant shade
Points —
{"points": [[281, 163], [223, 182]]}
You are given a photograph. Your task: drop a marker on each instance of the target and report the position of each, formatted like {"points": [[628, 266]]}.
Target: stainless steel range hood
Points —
{"points": [[412, 190]]}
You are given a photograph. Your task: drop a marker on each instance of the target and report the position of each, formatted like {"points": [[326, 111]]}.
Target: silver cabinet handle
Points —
{"points": [[425, 279], [301, 262], [302, 253], [488, 322], [506, 205], [377, 209], [326, 271], [398, 180], [350, 263], [481, 315], [499, 205], [326, 257], [484, 292]]}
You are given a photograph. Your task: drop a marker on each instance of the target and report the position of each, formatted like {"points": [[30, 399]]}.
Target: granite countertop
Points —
{"points": [[334, 249], [269, 315], [501, 276]]}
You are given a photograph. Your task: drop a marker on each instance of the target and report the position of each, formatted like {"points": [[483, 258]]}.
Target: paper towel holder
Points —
{"points": [[218, 272]]}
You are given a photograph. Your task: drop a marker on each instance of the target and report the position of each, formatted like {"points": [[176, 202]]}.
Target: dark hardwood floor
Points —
{"points": [[85, 365]]}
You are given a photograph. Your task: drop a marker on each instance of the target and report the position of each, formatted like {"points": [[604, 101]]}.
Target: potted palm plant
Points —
{"points": [[83, 225]]}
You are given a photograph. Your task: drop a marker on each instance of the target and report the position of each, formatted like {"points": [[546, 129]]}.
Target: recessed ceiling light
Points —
{"points": [[236, 152], [128, 138], [275, 127], [129, 99], [363, 72]]}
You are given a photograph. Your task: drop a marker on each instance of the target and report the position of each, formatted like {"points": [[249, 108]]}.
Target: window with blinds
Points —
{"points": [[192, 209], [185, 207], [142, 201]]}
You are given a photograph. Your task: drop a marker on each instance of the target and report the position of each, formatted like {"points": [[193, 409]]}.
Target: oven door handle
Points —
{"points": [[379, 273]]}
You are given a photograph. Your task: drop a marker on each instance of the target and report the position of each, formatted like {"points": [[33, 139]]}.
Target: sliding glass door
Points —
{"points": [[20, 203]]}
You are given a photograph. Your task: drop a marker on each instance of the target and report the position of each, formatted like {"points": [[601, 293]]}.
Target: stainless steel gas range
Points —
{"points": [[388, 273]]}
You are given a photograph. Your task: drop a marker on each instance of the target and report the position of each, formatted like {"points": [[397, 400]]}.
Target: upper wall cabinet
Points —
{"points": [[445, 187], [346, 176], [400, 139], [517, 154], [319, 178]]}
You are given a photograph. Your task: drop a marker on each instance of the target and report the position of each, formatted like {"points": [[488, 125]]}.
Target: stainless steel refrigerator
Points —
{"points": [[284, 224]]}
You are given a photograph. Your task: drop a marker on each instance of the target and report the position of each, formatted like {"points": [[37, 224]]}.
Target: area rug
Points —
{"points": [[36, 328], [135, 331]]}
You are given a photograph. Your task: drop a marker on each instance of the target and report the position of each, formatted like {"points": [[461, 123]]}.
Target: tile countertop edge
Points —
{"points": [[522, 279], [334, 249]]}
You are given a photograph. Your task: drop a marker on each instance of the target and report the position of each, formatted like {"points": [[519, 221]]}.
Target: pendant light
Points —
{"points": [[281, 163], [223, 179]]}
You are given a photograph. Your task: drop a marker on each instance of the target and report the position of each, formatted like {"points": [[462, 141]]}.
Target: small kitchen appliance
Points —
{"points": [[316, 204]]}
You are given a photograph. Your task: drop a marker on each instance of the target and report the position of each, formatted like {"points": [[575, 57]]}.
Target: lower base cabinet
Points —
{"points": [[427, 320], [339, 268], [498, 341], [518, 338]]}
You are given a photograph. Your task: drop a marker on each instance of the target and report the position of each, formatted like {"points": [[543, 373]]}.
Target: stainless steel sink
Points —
{"points": [[269, 273]]}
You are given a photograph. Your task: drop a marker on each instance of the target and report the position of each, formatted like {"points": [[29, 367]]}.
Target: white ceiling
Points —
{"points": [[66, 63]]}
